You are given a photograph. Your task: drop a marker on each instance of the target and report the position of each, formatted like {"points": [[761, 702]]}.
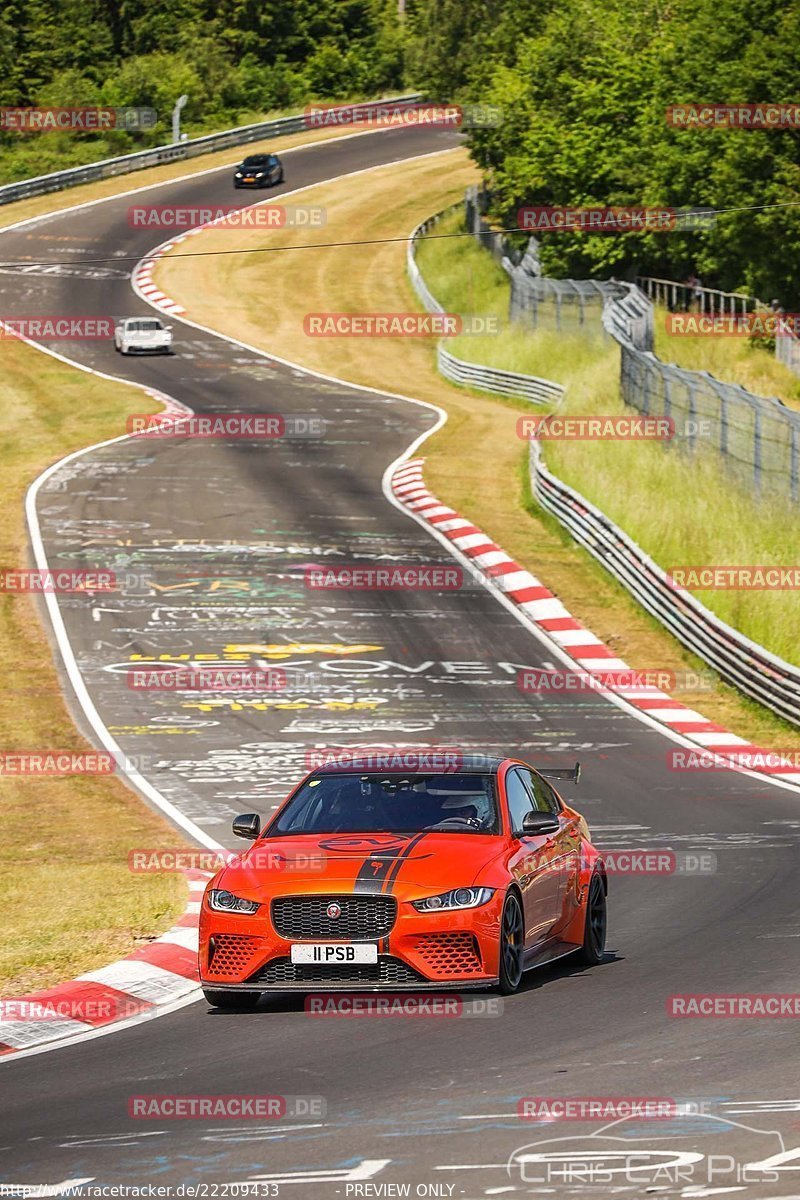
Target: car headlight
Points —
{"points": [[222, 901], [468, 897], [259, 174], [238, 175]]}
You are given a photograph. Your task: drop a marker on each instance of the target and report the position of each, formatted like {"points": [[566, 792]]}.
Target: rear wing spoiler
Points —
{"points": [[567, 774]]}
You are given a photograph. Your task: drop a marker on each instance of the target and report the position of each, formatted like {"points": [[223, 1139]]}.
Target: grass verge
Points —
{"points": [[734, 359], [682, 510], [455, 271], [258, 300], [70, 904]]}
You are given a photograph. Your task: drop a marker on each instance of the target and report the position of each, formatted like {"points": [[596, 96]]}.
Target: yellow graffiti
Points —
{"points": [[236, 652], [283, 705], [199, 657], [214, 585], [287, 649]]}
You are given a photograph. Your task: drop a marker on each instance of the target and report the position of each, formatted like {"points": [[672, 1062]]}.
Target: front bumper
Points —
{"points": [[422, 951], [470, 985]]}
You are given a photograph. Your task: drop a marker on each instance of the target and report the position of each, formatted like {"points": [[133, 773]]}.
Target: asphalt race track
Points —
{"points": [[218, 535]]}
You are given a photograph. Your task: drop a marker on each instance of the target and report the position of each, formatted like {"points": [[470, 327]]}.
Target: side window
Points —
{"points": [[519, 799], [544, 798]]}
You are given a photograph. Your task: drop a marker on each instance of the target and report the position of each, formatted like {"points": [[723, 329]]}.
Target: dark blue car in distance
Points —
{"points": [[258, 170]]}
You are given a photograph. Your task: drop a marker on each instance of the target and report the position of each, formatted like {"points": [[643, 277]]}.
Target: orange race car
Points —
{"points": [[397, 879]]}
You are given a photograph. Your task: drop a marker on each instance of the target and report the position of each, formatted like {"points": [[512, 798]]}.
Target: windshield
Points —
{"points": [[345, 803], [144, 326], [256, 160]]}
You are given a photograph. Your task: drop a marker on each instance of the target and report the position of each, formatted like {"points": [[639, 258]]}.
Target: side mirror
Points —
{"points": [[248, 825], [535, 823]]}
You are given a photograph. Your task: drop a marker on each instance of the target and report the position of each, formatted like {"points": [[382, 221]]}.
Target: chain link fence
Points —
{"points": [[683, 297], [495, 241], [787, 351], [758, 437]]}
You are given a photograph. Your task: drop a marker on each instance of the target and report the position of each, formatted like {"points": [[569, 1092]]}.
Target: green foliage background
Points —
{"points": [[584, 85], [236, 59]]}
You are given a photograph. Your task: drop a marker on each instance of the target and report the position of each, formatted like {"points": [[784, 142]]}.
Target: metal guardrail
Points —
{"points": [[675, 295], [458, 370], [744, 664], [628, 316], [158, 155], [429, 301], [492, 379]]}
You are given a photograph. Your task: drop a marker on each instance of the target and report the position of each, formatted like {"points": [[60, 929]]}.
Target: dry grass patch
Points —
{"points": [[69, 902], [733, 359]]}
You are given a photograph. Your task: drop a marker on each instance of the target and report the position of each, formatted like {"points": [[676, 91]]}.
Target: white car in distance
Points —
{"points": [[143, 335]]}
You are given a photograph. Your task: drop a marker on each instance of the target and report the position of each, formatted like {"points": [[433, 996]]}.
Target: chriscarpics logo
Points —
{"points": [[687, 1152]]}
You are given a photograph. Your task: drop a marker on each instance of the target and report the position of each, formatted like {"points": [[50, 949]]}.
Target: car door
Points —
{"points": [[530, 863], [564, 850]]}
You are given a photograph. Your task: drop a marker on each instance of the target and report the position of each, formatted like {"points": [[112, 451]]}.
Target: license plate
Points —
{"points": [[334, 952], [249, 179]]}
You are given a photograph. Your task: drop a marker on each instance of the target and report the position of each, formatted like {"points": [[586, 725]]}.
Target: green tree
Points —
{"points": [[585, 101]]}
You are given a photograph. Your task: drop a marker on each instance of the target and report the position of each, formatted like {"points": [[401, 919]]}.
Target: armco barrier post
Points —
{"points": [[756, 447]]}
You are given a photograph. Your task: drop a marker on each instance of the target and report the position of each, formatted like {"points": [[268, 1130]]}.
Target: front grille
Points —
{"points": [[363, 918], [230, 953], [448, 954], [386, 970]]}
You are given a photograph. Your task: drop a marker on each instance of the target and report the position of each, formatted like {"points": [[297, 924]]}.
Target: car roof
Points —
{"points": [[481, 764]]}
